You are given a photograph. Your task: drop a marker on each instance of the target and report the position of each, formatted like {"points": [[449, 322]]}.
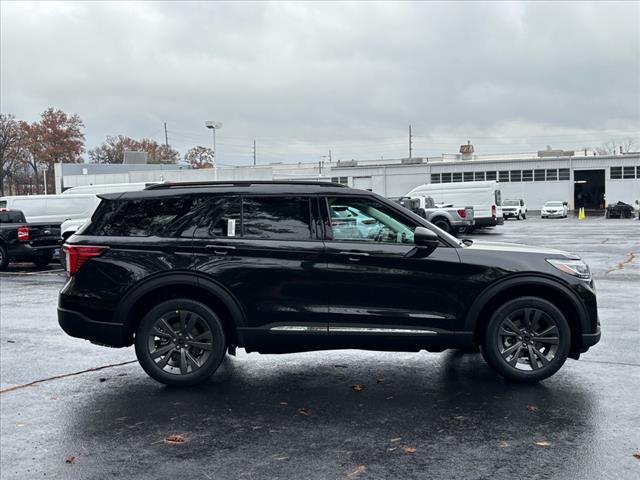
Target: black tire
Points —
{"points": [[443, 224], [4, 258], [541, 357], [42, 261], [524, 216], [179, 343], [519, 217]]}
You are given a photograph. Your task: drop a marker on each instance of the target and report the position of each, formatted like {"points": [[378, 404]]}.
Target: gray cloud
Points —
{"points": [[305, 77]]}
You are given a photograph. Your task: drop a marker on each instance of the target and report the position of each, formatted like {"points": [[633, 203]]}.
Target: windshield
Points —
{"points": [[510, 203], [553, 204]]}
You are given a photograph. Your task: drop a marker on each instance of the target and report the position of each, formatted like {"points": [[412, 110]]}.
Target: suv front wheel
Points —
{"points": [[180, 342], [527, 340]]}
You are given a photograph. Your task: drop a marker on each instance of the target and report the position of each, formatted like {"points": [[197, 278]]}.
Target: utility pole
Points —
{"points": [[254, 152], [329, 155], [410, 142], [166, 137]]}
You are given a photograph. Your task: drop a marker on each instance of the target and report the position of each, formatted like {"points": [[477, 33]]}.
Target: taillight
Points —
{"points": [[462, 213], [493, 211], [23, 234], [77, 255]]}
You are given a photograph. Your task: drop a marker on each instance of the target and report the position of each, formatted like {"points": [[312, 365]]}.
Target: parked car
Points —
{"points": [[619, 210], [484, 197], [188, 272], [25, 242], [514, 209], [554, 209], [451, 219]]}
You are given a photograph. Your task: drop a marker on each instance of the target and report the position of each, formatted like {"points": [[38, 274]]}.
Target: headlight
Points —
{"points": [[577, 268]]}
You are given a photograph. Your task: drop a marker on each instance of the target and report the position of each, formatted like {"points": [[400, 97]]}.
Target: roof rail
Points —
{"points": [[240, 183]]}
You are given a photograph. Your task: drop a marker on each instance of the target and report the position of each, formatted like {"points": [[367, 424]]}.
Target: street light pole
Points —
{"points": [[214, 126]]}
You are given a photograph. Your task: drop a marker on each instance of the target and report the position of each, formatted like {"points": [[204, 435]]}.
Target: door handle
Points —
{"points": [[220, 249], [355, 256]]}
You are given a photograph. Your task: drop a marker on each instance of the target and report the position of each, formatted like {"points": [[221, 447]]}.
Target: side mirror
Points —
{"points": [[565, 204], [423, 237]]}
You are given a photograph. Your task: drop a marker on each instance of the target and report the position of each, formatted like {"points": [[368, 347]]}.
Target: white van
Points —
{"points": [[70, 227], [107, 188], [483, 196], [53, 209]]}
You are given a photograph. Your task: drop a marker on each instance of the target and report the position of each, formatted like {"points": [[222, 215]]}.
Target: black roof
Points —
{"points": [[245, 186]]}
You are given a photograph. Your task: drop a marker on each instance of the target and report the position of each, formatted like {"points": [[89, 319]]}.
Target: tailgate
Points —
{"points": [[44, 235]]}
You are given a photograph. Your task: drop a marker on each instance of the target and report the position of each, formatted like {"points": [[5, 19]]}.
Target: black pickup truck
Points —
{"points": [[26, 242]]}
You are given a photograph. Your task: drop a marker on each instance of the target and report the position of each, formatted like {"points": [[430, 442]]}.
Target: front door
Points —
{"points": [[380, 284]]}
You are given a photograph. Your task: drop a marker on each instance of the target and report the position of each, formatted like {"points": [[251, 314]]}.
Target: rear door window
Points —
{"points": [[220, 218], [276, 218]]}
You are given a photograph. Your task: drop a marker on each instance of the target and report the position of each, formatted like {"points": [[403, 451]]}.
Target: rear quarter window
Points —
{"points": [[162, 217]]}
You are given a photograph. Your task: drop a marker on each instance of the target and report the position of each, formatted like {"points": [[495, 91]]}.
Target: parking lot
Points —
{"points": [[93, 412]]}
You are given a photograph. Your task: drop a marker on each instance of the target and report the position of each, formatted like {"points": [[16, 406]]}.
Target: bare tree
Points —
{"points": [[10, 146], [614, 146]]}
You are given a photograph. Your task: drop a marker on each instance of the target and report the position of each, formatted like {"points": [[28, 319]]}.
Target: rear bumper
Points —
{"points": [[26, 251], [78, 325], [590, 339], [489, 222]]}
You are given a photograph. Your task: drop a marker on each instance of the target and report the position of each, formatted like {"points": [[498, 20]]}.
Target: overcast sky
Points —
{"points": [[301, 78]]}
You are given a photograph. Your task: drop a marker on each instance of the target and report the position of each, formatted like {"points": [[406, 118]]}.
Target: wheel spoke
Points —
{"points": [[536, 318], [549, 340], [527, 319], [193, 318], [194, 363], [164, 360], [165, 325], [507, 333], [184, 317], [547, 331], [204, 336], [532, 360], [541, 355], [160, 333], [183, 361], [201, 345], [162, 350], [512, 326], [509, 350], [514, 359]]}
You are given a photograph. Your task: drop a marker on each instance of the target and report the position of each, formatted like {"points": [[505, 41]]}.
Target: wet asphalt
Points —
{"points": [[413, 415]]}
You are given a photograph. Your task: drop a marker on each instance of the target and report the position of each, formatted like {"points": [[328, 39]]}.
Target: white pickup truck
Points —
{"points": [[451, 219]]}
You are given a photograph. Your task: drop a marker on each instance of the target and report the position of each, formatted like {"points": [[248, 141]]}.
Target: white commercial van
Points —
{"points": [[483, 196], [53, 209]]}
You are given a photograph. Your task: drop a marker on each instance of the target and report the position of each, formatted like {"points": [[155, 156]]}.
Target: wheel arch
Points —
{"points": [[146, 294], [531, 286]]}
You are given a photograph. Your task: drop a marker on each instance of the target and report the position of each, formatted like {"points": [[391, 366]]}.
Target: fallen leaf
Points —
{"points": [[504, 444], [392, 449], [543, 444], [532, 408], [174, 439], [357, 387], [11, 341], [359, 470], [70, 460], [409, 450], [397, 439], [284, 403], [304, 412], [637, 455]]}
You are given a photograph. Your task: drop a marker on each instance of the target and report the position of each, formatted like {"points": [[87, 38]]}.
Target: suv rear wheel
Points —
{"points": [[527, 340], [180, 342]]}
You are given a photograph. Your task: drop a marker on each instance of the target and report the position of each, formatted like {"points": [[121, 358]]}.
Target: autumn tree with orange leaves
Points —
{"points": [[200, 157], [113, 148]]}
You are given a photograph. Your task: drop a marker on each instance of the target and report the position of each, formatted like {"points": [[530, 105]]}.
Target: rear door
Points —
{"points": [[267, 250]]}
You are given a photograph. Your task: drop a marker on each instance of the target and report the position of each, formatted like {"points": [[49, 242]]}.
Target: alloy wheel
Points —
{"points": [[180, 342], [528, 339]]}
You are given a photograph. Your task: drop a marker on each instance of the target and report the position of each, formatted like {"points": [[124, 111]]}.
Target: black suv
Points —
{"points": [[187, 272]]}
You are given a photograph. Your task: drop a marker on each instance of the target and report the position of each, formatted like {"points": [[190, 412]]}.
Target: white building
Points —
{"points": [[579, 178]]}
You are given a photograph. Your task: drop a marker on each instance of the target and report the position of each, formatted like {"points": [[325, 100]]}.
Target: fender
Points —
{"points": [[188, 278], [525, 279]]}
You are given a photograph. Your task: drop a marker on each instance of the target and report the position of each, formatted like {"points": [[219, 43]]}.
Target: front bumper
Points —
{"points": [[590, 339], [550, 215], [78, 325]]}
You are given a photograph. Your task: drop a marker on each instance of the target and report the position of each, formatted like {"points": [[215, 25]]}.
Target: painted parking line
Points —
{"points": [[43, 272]]}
